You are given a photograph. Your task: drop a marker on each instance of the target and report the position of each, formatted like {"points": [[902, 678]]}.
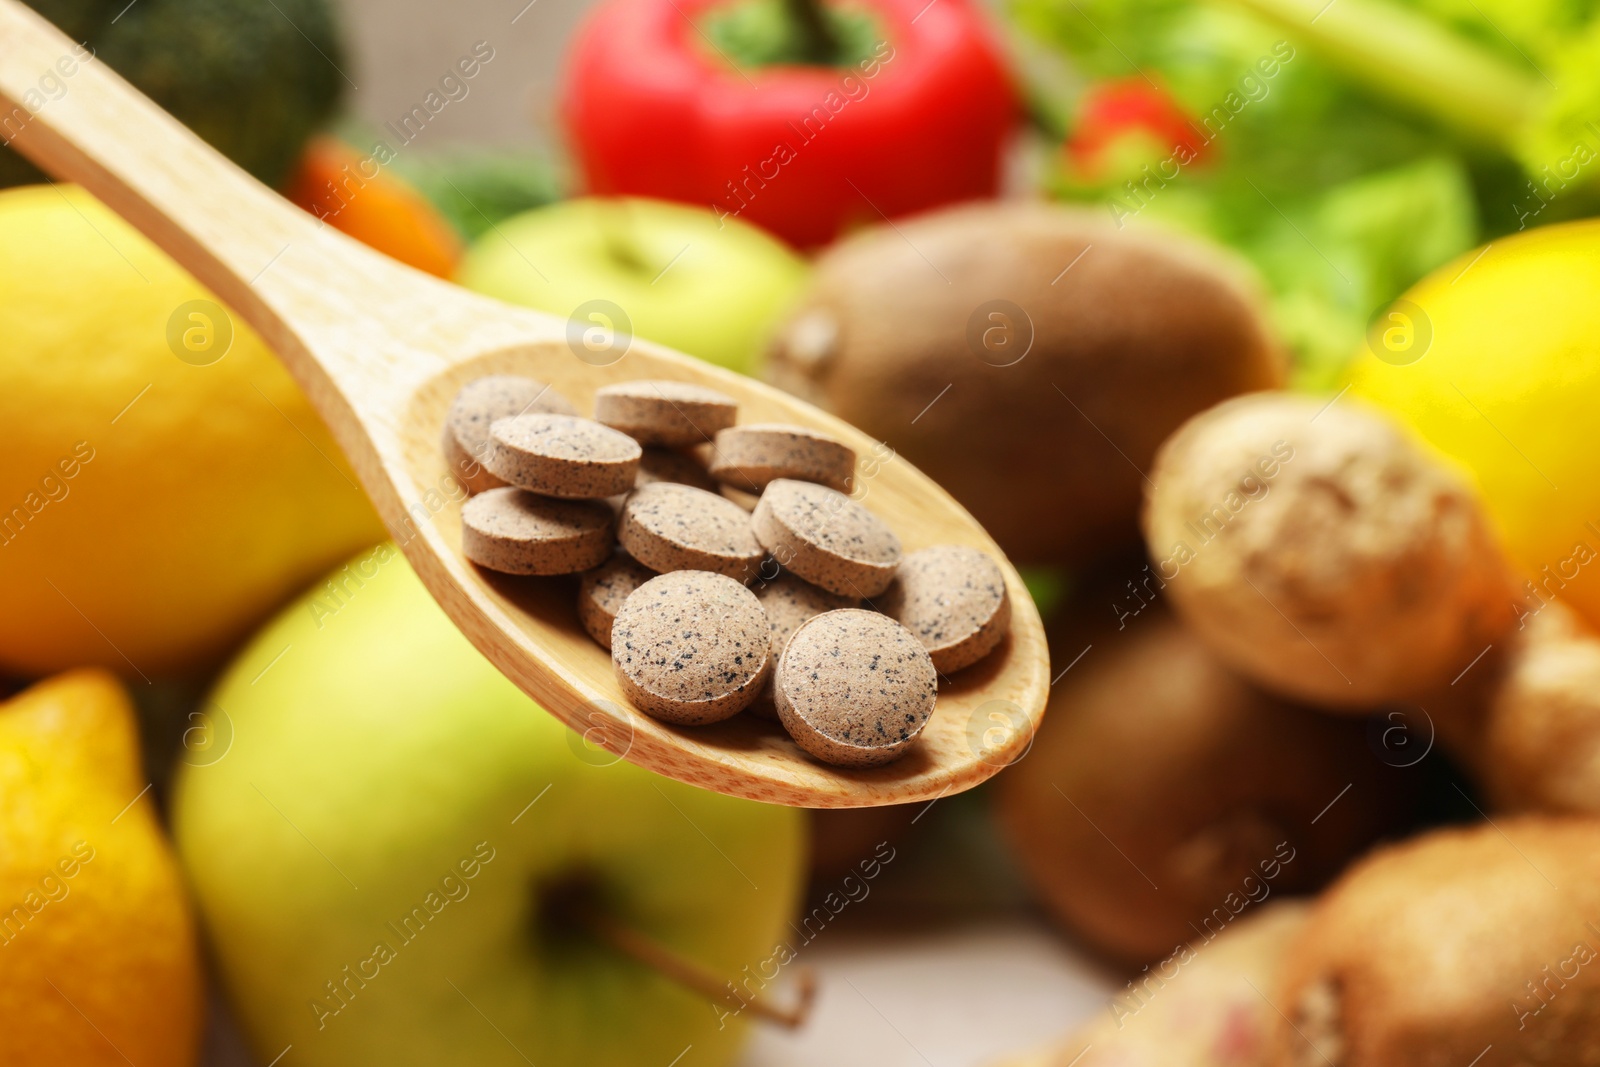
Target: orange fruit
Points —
{"points": [[351, 193]]}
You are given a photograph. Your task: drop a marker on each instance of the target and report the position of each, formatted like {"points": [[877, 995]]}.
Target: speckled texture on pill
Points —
{"points": [[671, 527], [855, 688], [691, 647], [954, 599], [480, 403], [518, 532], [749, 457], [664, 412], [826, 538], [603, 590], [562, 455], [789, 603]]}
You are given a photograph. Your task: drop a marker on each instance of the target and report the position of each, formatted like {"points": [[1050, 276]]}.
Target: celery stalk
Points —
{"points": [[1415, 61]]}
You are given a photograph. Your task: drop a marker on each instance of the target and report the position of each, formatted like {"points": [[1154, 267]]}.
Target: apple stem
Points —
{"points": [[618, 232], [694, 977]]}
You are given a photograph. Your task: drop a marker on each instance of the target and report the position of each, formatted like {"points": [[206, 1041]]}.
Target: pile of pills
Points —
{"points": [[800, 609]]}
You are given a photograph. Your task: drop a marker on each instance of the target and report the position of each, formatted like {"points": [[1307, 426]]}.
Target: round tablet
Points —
{"points": [[690, 647], [663, 412], [517, 532], [855, 688], [954, 599], [671, 527], [826, 538], [789, 603], [479, 404], [749, 457], [563, 455], [603, 590]]}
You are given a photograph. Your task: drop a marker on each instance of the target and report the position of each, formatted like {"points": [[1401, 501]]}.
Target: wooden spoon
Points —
{"points": [[381, 349]]}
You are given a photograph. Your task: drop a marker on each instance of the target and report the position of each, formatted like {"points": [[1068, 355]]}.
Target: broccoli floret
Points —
{"points": [[254, 78]]}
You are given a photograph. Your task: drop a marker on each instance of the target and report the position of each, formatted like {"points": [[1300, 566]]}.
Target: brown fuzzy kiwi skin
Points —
{"points": [[1323, 553], [1538, 746], [1162, 788], [1459, 947], [1201, 1007], [1143, 331]]}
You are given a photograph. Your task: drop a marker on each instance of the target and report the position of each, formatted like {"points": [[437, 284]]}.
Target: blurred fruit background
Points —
{"points": [[261, 804]]}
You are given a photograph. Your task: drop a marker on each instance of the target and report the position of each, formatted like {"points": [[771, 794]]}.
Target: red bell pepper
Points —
{"points": [[916, 117]]}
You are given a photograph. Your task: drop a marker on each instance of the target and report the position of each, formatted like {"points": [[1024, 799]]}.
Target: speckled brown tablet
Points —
{"points": [[603, 590], [691, 647], [671, 527], [855, 688], [563, 455], [749, 457], [480, 403], [826, 538], [954, 599], [789, 603], [518, 532], [664, 413]]}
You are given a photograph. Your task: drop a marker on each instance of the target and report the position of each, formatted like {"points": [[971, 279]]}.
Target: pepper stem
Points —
{"points": [[814, 34], [692, 976]]}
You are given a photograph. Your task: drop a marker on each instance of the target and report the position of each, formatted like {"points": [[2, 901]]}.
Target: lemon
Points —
{"points": [[164, 485], [98, 957], [1495, 360]]}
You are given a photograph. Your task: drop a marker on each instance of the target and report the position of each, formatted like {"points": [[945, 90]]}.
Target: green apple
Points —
{"points": [[389, 845], [679, 275]]}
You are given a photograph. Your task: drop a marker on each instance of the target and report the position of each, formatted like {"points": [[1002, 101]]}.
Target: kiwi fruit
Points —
{"points": [[1466, 946], [1164, 795], [1029, 357], [1200, 1007], [1537, 747], [841, 838], [1319, 550]]}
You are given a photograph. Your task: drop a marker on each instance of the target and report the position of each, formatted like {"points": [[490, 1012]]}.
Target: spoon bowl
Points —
{"points": [[381, 350]]}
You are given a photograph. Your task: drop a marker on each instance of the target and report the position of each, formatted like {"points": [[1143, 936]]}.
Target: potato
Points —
{"points": [[1029, 357], [1318, 550], [1164, 795], [1472, 946]]}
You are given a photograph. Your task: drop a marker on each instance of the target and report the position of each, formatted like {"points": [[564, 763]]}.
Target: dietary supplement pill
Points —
{"points": [[954, 599], [749, 457], [691, 647], [671, 527], [855, 688], [664, 412], [826, 538], [517, 532], [477, 406], [563, 456]]}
